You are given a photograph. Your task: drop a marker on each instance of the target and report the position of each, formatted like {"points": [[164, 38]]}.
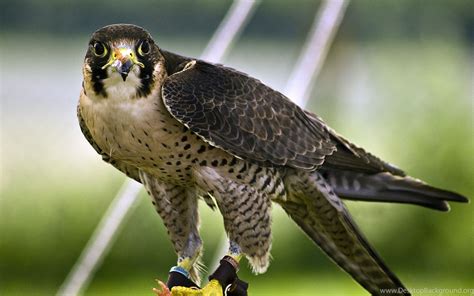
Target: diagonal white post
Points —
{"points": [[309, 64], [102, 239], [227, 32], [106, 231], [313, 55]]}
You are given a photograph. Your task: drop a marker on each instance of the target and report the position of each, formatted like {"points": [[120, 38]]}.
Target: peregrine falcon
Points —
{"points": [[188, 129]]}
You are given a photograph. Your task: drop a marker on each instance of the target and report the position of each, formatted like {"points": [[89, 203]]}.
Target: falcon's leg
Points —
{"points": [[225, 276], [177, 206], [185, 273], [234, 251], [245, 207]]}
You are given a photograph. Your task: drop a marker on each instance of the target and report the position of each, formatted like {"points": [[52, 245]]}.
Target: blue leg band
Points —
{"points": [[180, 270]]}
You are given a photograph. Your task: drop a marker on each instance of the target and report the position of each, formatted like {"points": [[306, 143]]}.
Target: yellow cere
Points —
{"points": [[122, 54]]}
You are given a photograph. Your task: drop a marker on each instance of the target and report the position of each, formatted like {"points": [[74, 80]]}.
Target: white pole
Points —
{"points": [[104, 235], [102, 239], [326, 23], [310, 61], [232, 24]]}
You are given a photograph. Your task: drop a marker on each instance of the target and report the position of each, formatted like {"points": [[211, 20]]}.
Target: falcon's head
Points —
{"points": [[122, 61]]}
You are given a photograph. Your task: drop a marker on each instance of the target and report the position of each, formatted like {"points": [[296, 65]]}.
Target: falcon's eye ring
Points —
{"points": [[144, 48], [99, 49]]}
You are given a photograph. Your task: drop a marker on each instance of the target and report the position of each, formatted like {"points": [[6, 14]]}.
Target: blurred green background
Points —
{"points": [[398, 81]]}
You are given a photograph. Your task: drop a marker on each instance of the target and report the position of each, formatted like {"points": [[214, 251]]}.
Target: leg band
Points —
{"points": [[226, 274], [178, 276]]}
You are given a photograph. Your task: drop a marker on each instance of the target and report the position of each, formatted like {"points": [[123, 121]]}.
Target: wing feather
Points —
{"points": [[320, 213], [245, 117]]}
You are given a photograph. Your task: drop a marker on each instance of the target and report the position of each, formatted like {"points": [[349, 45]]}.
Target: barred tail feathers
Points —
{"points": [[323, 217], [386, 187]]}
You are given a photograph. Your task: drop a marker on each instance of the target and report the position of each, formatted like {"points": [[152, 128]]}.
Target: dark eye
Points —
{"points": [[99, 49], [144, 48]]}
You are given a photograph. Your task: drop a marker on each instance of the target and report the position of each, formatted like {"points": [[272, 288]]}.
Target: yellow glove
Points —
{"points": [[213, 288]]}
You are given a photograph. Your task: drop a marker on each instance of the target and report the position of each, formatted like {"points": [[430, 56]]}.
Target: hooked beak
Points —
{"points": [[124, 68], [122, 60]]}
